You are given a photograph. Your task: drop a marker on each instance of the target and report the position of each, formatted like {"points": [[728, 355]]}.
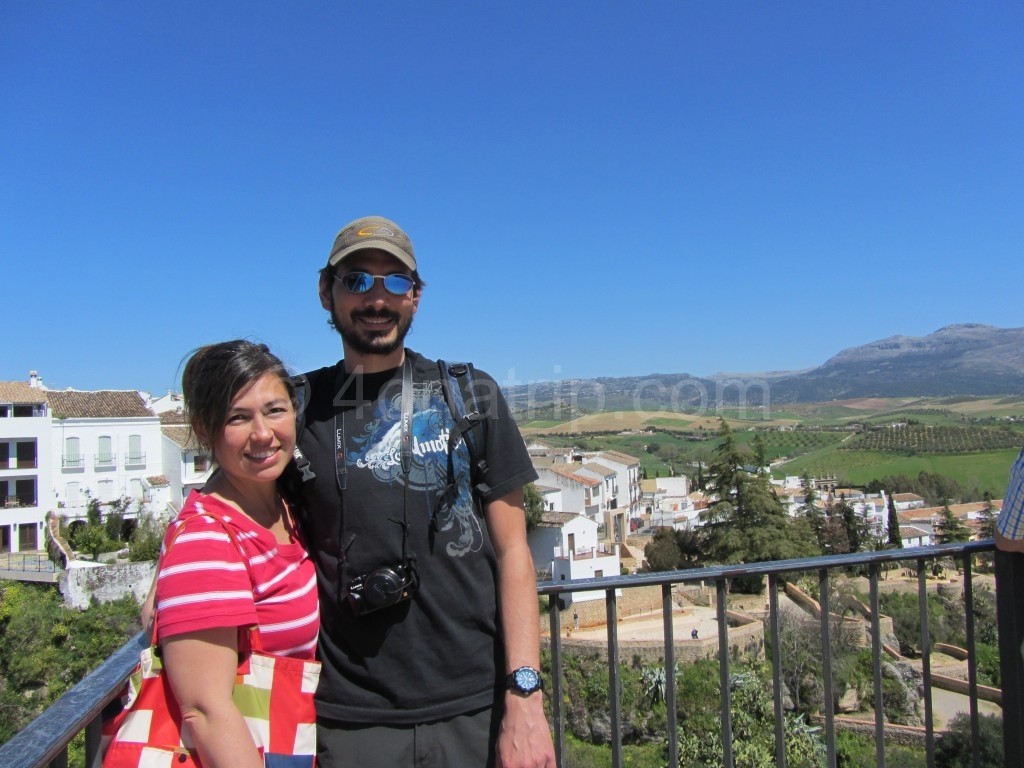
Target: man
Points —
{"points": [[1010, 524], [430, 630]]}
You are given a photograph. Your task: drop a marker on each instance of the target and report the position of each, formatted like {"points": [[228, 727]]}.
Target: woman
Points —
{"points": [[241, 406]]}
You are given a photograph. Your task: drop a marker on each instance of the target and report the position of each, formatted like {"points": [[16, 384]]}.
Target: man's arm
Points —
{"points": [[524, 739], [1009, 545]]}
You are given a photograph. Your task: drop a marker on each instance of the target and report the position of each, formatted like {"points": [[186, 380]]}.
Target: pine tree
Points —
{"points": [[747, 523], [948, 527], [987, 529], [894, 536]]}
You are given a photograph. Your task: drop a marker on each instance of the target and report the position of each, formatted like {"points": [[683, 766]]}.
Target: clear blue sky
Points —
{"points": [[593, 188]]}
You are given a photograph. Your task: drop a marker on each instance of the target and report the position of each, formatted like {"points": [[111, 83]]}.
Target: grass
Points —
{"points": [[988, 471], [582, 754]]}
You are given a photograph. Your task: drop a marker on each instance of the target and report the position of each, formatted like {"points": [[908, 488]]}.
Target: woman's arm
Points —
{"points": [[201, 667]]}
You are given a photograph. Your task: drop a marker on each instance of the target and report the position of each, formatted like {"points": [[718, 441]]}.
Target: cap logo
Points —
{"points": [[377, 231]]}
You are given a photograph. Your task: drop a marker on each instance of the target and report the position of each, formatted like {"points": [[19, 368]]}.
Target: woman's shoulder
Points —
{"points": [[207, 512]]}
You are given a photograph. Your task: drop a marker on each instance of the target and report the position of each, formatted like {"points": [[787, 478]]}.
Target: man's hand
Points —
{"points": [[525, 739]]}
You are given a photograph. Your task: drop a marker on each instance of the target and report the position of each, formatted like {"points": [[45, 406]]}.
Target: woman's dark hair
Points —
{"points": [[214, 376]]}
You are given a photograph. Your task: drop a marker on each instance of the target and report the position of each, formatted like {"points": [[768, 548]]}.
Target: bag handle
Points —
{"points": [[255, 642]]}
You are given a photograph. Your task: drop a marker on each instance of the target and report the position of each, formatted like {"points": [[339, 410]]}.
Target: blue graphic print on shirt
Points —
{"points": [[378, 449]]}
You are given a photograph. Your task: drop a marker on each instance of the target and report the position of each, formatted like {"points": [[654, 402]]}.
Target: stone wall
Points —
{"points": [[107, 583], [744, 641]]}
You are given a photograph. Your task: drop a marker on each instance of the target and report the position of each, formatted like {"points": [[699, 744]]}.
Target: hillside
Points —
{"points": [[958, 360]]}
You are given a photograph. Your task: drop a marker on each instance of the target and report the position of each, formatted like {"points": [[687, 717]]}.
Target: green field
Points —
{"points": [[971, 440]]}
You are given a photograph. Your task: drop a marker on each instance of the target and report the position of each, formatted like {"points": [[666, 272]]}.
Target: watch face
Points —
{"points": [[526, 679]]}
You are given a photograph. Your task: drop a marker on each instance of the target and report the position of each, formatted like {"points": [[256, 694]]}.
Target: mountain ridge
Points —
{"points": [[956, 360]]}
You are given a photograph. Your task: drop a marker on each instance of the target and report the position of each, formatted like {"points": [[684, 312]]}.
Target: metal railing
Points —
{"points": [[44, 742]]}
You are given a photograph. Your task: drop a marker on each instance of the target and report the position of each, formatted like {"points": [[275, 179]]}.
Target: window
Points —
{"points": [[72, 453], [105, 490], [73, 495], [135, 488], [135, 454], [105, 456], [200, 463]]}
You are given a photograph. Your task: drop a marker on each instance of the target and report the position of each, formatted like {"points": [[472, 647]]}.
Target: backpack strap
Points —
{"points": [[457, 382], [302, 390]]}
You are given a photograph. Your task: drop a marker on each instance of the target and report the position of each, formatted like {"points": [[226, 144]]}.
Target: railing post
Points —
{"points": [[1010, 616], [555, 616]]}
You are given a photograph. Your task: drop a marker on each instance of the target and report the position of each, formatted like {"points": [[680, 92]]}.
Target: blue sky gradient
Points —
{"points": [[593, 188]]}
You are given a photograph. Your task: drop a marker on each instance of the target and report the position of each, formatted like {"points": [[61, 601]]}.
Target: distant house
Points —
{"points": [[105, 444], [26, 468], [904, 501], [186, 464], [580, 493], [565, 547]]}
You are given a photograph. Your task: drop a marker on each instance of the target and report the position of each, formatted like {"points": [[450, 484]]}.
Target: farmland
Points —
{"points": [[970, 440]]}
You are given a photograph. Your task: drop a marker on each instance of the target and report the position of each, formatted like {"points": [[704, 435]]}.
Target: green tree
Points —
{"points": [[895, 538], [987, 519], [948, 527], [534, 504], [810, 512], [955, 747], [147, 537], [746, 523]]}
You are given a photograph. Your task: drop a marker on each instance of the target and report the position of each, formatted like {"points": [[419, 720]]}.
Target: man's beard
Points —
{"points": [[370, 342]]}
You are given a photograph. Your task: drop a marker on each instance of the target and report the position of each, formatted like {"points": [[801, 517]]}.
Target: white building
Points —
{"points": [[105, 444], [580, 493], [26, 470], [186, 465], [565, 546]]}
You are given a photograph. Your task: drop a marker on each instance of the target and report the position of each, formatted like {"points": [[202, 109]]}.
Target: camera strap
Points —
{"points": [[341, 460]]}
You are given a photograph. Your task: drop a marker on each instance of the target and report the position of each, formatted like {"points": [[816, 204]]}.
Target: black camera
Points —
{"points": [[381, 588]]}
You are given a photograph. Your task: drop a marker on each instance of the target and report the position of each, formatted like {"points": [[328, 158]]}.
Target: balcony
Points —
{"points": [[72, 463], [105, 461], [44, 742], [20, 500], [135, 459]]}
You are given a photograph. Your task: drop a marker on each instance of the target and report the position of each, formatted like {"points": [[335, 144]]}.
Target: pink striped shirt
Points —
{"points": [[203, 582]]}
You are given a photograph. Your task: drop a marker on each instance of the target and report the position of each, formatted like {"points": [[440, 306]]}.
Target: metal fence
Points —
{"points": [[44, 742]]}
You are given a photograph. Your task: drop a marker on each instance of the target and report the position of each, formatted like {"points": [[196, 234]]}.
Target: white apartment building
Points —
{"points": [[105, 444], [565, 547], [186, 465], [580, 493], [627, 482], [26, 480]]}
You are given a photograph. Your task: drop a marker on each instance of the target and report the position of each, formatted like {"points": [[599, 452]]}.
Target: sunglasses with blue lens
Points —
{"points": [[361, 282]]}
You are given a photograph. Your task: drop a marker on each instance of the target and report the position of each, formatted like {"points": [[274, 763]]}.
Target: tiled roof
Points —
{"points": [[958, 510], [158, 481], [565, 472], [621, 458], [173, 417], [182, 437], [899, 497], [556, 519], [104, 404], [20, 393], [599, 469]]}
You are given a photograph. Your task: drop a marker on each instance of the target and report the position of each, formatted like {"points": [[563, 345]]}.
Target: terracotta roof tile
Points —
{"points": [[73, 404], [20, 393], [158, 481], [182, 437], [620, 458]]}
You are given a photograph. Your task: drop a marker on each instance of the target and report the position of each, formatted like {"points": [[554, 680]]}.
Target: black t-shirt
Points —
{"points": [[439, 653]]}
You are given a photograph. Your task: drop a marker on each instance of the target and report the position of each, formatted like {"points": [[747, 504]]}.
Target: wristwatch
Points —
{"points": [[524, 681]]}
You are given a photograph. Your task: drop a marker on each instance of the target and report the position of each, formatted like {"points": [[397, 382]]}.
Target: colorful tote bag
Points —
{"points": [[273, 693]]}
